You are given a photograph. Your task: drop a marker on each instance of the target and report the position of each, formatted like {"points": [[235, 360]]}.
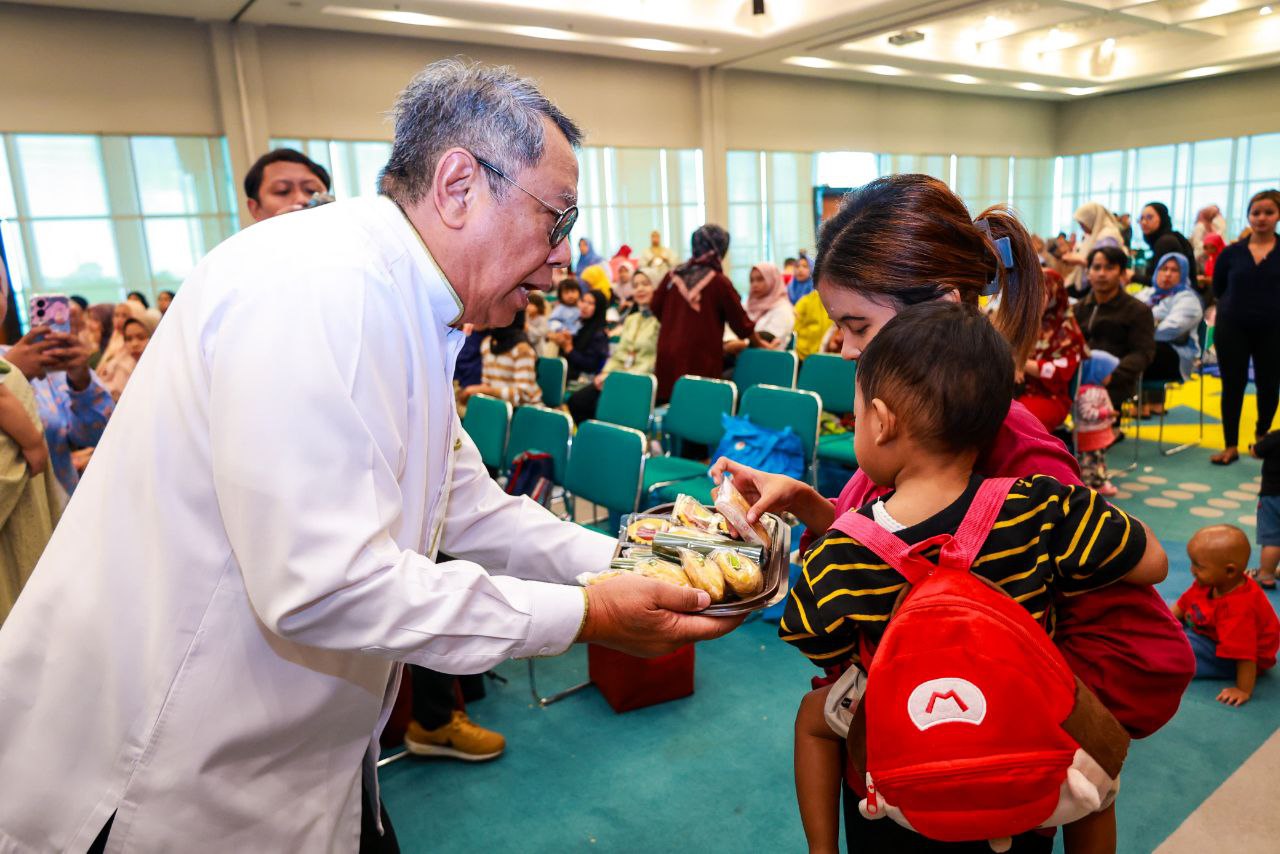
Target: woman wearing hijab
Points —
{"points": [[801, 284], [634, 354], [770, 310], [1157, 231], [587, 257], [596, 278], [586, 349], [1177, 313], [1058, 352], [693, 304], [1100, 229], [1208, 221]]}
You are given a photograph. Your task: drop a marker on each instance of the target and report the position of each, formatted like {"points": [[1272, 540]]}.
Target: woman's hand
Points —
{"points": [[31, 353], [72, 355], [776, 493]]}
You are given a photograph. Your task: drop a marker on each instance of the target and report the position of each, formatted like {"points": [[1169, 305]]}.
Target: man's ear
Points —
{"points": [[454, 186], [255, 208], [885, 423]]}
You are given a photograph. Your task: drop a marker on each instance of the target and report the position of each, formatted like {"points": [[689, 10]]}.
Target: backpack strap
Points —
{"points": [[958, 551]]}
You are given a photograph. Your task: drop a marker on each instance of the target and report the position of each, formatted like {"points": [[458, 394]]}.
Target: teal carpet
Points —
{"points": [[712, 772]]}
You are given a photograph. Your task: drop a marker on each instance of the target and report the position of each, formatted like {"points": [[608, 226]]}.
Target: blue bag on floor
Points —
{"points": [[774, 451]]}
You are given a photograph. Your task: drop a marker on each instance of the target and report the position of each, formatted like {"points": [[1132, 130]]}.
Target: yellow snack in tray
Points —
{"points": [[642, 530], [661, 570], [703, 574], [690, 513], [741, 573]]}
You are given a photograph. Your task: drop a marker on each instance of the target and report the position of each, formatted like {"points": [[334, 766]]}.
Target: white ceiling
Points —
{"points": [[1057, 49]]}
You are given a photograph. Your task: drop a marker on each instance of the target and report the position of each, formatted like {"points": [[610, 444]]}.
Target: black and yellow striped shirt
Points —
{"points": [[1048, 538]]}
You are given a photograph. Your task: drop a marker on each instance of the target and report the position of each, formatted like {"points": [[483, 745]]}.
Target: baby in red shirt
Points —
{"points": [[1232, 627]]}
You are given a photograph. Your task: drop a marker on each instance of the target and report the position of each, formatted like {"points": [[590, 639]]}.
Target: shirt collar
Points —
{"points": [[445, 302]]}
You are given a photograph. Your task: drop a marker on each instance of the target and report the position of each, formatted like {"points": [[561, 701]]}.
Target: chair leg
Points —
{"points": [[1177, 449], [552, 698]]}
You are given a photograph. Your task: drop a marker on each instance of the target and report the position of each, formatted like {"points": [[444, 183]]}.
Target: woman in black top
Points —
{"points": [[1157, 231], [588, 348], [1246, 281]]}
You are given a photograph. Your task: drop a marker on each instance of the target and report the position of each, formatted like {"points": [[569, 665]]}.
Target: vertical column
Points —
{"points": [[241, 98], [714, 150]]}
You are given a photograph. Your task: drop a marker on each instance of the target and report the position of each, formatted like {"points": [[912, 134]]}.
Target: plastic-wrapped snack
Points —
{"points": [[734, 507], [741, 573], [689, 512], [705, 544], [641, 529], [703, 574], [586, 579], [661, 570]]}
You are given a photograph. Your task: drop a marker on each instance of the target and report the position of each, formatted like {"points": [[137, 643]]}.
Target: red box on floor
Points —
{"points": [[628, 682]]}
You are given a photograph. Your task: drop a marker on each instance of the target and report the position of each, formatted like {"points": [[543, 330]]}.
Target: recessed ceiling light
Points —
{"points": [[417, 19], [884, 70], [1265, 10], [1029, 87], [549, 33], [1081, 90], [656, 44], [811, 62], [966, 79]]}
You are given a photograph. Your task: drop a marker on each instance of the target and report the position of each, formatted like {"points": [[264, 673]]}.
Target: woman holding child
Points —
{"points": [[902, 241]]}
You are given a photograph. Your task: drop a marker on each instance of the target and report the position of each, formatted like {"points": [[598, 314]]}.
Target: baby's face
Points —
{"points": [[1208, 567]]}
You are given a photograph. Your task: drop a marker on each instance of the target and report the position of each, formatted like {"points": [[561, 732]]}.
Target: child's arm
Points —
{"points": [[818, 770], [1153, 567], [1246, 678], [17, 424]]}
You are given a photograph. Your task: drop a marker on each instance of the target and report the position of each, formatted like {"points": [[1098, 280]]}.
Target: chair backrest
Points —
{"points": [[487, 422], [696, 406], [832, 378], [553, 379], [769, 367], [536, 428], [606, 465], [627, 399], [774, 407]]}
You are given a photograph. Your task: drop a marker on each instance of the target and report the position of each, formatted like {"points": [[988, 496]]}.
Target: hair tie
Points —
{"points": [[1004, 251]]}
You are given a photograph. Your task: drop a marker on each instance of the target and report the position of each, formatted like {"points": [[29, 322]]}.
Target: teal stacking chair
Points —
{"points": [[1202, 333], [765, 367], [833, 379], [694, 415], [536, 428], [487, 422], [606, 468], [627, 399], [553, 379]]}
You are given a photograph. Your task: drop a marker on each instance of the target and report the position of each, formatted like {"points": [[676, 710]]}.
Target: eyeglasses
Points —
{"points": [[565, 219]]}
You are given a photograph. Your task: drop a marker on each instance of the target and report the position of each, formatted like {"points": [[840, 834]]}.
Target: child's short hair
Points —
{"points": [[569, 283], [1115, 256], [945, 371], [538, 301]]}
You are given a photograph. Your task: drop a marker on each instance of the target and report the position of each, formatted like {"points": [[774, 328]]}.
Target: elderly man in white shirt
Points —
{"points": [[207, 652]]}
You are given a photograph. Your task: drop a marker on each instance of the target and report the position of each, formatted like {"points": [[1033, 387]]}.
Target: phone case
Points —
{"points": [[52, 310]]}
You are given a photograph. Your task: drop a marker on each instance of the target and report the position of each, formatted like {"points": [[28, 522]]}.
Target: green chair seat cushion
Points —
{"points": [[838, 448], [698, 488], [663, 469]]}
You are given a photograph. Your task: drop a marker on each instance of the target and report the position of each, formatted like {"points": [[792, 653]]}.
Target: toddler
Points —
{"points": [[564, 317], [1232, 627], [932, 391]]}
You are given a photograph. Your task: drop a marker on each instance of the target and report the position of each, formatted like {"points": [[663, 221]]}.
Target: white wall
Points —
{"points": [[1235, 105]]}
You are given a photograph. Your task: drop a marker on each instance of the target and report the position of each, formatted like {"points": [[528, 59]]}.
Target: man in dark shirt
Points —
{"points": [[1115, 322]]}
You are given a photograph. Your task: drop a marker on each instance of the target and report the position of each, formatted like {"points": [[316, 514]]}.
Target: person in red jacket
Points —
{"points": [[1231, 625], [1057, 354]]}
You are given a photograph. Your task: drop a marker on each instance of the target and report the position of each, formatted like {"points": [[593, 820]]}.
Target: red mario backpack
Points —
{"points": [[971, 725]]}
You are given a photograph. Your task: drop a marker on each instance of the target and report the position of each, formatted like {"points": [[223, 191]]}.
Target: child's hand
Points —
{"points": [[1233, 696], [37, 457]]}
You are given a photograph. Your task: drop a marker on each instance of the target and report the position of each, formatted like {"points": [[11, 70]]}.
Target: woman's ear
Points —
{"points": [[884, 423], [950, 296]]}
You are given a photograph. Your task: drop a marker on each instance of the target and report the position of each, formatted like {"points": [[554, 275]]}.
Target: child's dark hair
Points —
{"points": [[569, 283], [538, 301], [1116, 257], [943, 369]]}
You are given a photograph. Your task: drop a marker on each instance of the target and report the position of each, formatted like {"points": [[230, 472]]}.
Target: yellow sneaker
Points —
{"points": [[458, 739]]}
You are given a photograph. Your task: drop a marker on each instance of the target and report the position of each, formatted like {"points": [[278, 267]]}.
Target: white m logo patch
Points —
{"points": [[946, 700]]}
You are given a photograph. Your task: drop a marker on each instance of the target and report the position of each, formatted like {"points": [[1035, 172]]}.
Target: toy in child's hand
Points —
{"points": [[734, 508]]}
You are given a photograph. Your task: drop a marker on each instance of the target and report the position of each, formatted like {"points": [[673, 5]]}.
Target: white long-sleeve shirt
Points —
{"points": [[209, 646]]}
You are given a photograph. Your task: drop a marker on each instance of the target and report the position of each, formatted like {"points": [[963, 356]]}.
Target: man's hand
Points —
{"points": [[72, 355], [640, 616], [31, 354], [1233, 696]]}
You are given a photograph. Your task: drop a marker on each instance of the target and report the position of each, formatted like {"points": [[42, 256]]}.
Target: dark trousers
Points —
{"points": [[583, 402], [864, 836], [371, 842], [1236, 344], [1165, 367], [435, 696]]}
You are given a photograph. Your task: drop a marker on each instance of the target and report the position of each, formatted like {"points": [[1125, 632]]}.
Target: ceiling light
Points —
{"points": [[1029, 87], [966, 79], [1107, 48], [906, 37], [1081, 90], [539, 32], [1204, 71], [1265, 10], [810, 62], [884, 70], [657, 44], [417, 19]]}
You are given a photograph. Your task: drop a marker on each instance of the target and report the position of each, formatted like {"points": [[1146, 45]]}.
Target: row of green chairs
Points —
{"points": [[625, 399], [832, 378]]}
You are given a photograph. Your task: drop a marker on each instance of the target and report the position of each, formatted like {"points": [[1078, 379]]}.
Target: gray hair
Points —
{"points": [[490, 111]]}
